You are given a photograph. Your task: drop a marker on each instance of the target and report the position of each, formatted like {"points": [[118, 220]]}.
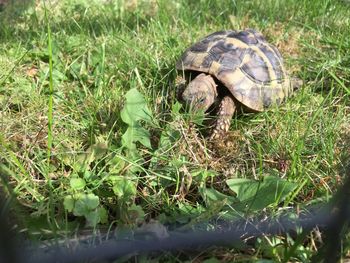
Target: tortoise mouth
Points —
{"points": [[193, 106]]}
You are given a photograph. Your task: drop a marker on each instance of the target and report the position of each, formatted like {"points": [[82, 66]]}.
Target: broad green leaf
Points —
{"points": [[176, 108], [123, 187], [77, 183], [98, 150], [92, 218], [202, 175], [102, 212], [93, 153], [168, 138], [135, 212], [257, 195], [133, 158], [185, 213], [198, 117], [92, 201], [135, 108], [271, 246], [87, 175], [221, 204], [83, 161], [212, 195], [68, 203], [116, 164], [85, 204], [134, 134]]}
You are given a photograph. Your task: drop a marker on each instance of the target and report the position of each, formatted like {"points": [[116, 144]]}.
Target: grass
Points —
{"points": [[73, 158]]}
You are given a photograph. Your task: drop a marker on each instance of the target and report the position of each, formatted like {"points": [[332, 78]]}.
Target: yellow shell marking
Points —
{"points": [[238, 43]]}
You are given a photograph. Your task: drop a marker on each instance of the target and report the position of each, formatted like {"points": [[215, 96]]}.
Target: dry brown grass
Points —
{"points": [[287, 40]]}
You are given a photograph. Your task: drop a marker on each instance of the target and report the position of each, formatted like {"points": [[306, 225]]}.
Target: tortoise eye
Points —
{"points": [[201, 100]]}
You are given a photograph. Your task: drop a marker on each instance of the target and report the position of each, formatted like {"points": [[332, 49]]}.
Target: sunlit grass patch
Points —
{"points": [[124, 151]]}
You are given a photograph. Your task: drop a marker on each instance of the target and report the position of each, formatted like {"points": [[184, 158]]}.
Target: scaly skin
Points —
{"points": [[200, 94], [226, 110]]}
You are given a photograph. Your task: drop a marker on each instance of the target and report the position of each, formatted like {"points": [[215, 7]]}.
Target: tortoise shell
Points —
{"points": [[244, 62]]}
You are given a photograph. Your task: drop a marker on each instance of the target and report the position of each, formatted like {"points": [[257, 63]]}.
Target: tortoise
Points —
{"points": [[235, 70]]}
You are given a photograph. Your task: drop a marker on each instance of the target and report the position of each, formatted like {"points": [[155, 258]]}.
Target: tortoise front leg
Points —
{"points": [[226, 110]]}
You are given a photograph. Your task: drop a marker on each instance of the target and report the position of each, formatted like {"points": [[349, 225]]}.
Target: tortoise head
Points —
{"points": [[200, 93]]}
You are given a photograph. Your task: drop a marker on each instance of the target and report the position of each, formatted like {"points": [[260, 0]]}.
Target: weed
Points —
{"points": [[92, 134]]}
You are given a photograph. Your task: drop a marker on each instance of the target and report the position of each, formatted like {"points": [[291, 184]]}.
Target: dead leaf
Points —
{"points": [[32, 72]]}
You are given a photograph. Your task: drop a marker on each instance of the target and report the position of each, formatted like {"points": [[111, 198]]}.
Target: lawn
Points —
{"points": [[92, 136]]}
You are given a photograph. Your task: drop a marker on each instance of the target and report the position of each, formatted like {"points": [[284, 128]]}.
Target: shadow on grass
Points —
{"points": [[12, 19], [13, 9]]}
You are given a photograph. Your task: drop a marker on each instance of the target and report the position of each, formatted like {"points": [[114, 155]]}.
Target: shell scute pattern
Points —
{"points": [[245, 63], [231, 60], [256, 68], [215, 36], [275, 59], [200, 47], [225, 54], [246, 37]]}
